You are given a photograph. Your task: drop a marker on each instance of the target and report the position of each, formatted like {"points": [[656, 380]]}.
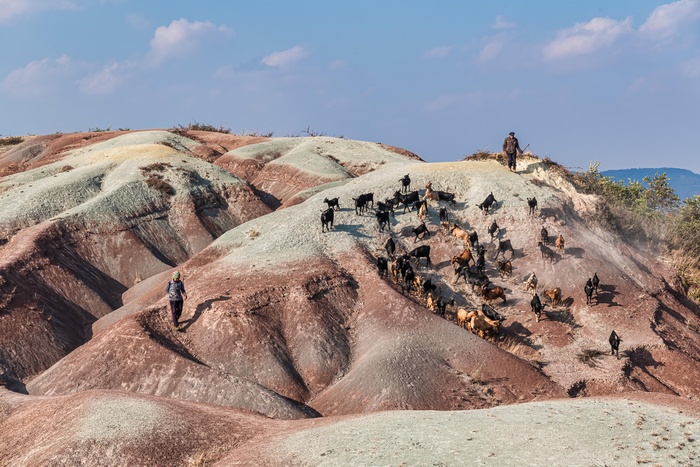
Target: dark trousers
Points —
{"points": [[511, 160], [176, 311]]}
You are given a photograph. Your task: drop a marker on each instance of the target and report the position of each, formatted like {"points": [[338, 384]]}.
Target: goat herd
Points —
{"points": [[485, 321]]}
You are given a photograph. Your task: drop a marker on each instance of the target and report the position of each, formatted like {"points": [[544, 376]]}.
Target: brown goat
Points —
{"points": [[554, 295], [505, 268], [493, 293], [559, 243], [460, 234], [464, 258], [462, 317]]}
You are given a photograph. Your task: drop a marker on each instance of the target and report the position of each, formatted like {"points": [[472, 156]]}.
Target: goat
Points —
{"points": [[614, 340], [332, 203], [588, 289], [493, 293], [385, 207], [472, 278], [421, 252], [554, 295], [461, 317], [546, 252], [383, 219], [444, 216], [473, 239], [360, 204], [537, 307], [460, 234], [369, 198], [595, 282], [420, 231], [430, 195], [382, 266], [492, 230], [390, 247], [487, 203], [559, 243], [532, 203], [422, 210], [446, 196], [405, 183], [464, 258], [480, 261], [505, 268], [490, 313], [531, 284], [503, 246], [409, 277], [406, 199], [544, 236], [327, 220], [427, 287], [395, 269]]}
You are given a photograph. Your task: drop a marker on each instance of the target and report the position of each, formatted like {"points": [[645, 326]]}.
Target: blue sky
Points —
{"points": [[617, 82]]}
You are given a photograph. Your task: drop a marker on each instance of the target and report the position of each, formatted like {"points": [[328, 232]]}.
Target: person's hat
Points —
{"points": [[512, 133], [176, 275]]}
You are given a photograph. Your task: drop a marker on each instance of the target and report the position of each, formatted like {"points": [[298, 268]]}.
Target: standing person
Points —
{"points": [[176, 294], [512, 148]]}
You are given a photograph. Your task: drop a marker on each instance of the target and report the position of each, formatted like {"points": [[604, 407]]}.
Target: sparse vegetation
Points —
{"points": [[157, 182], [11, 140], [182, 130], [99, 130], [589, 356]]}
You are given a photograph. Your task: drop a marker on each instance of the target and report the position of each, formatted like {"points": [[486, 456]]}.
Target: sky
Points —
{"points": [[611, 81]]}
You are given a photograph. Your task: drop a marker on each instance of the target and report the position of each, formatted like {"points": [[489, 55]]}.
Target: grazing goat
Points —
{"points": [[327, 220], [420, 232], [531, 284], [464, 258], [460, 234], [383, 219], [595, 282], [390, 247], [554, 295], [547, 252], [406, 199], [487, 203], [503, 246], [588, 289], [493, 229], [490, 313], [421, 252], [444, 217], [473, 239], [614, 343], [332, 203], [559, 244], [537, 307], [544, 236], [405, 183], [382, 267], [505, 268], [532, 203], [493, 293]]}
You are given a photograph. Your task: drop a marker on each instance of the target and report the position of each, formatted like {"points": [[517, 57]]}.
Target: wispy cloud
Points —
{"points": [[285, 57], [39, 78], [492, 48], [182, 37], [9, 9], [502, 23], [691, 68], [667, 20], [107, 80], [586, 38], [437, 52]]}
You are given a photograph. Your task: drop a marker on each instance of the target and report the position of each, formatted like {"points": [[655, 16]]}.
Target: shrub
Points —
{"points": [[182, 130], [160, 185], [11, 140]]}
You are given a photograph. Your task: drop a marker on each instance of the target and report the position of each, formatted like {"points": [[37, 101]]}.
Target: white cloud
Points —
{"points": [[10, 9], [492, 48], [502, 23], [39, 78], [106, 80], [586, 38], [437, 52], [286, 57], [667, 20], [182, 38]]}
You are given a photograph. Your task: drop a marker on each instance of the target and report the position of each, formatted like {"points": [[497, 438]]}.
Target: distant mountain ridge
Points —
{"points": [[685, 183]]}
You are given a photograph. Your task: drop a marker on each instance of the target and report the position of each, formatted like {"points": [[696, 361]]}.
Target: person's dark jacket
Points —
{"points": [[175, 290], [511, 145]]}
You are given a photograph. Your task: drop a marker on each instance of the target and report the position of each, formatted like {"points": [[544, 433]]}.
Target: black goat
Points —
{"points": [[405, 183], [360, 204], [382, 266], [332, 203], [503, 246], [614, 343], [383, 219], [547, 252], [588, 289], [487, 203], [420, 232], [390, 247], [421, 252], [480, 261], [445, 196], [327, 220], [532, 203], [427, 287], [385, 207], [595, 282], [408, 277], [493, 229], [537, 307], [369, 198], [473, 239], [544, 236], [444, 216], [406, 199]]}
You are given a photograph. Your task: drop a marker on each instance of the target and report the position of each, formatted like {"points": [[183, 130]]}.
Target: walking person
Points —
{"points": [[512, 149], [176, 294]]}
